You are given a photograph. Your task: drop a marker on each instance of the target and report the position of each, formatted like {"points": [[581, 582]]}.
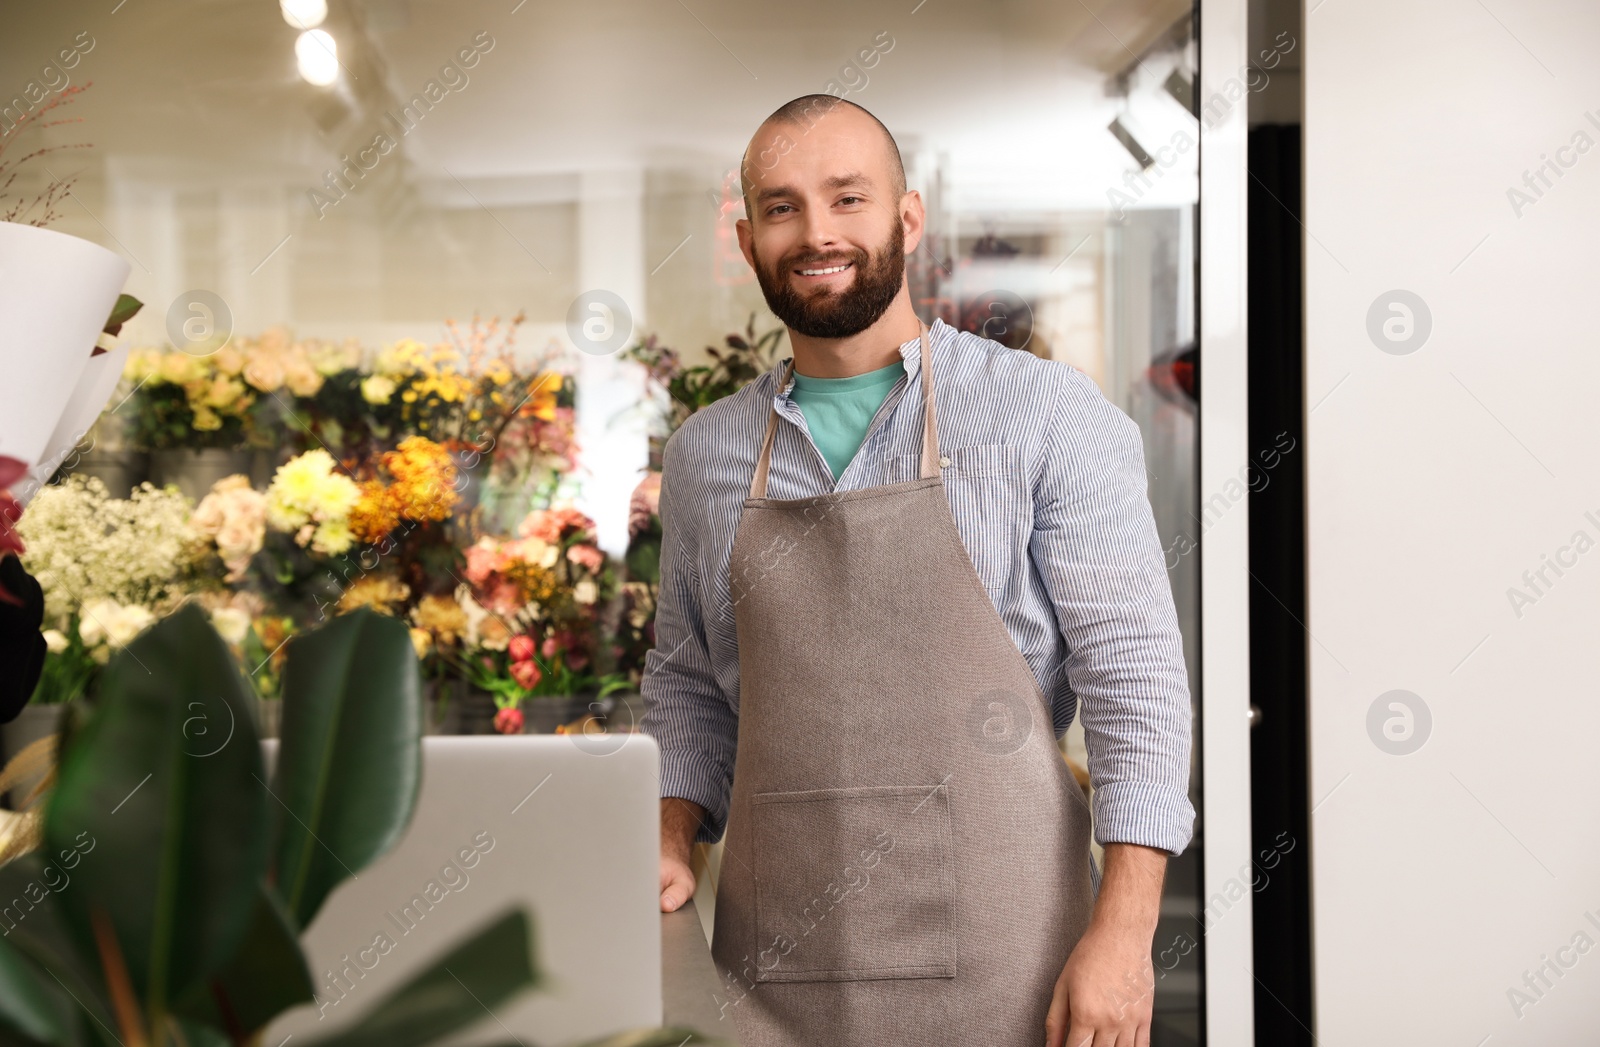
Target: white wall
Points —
{"points": [[1436, 478]]}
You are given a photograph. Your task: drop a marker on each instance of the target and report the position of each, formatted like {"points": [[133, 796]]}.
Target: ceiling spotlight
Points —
{"points": [[1130, 143], [318, 57], [1181, 88], [303, 14]]}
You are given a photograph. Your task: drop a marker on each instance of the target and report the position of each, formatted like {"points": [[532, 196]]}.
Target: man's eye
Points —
{"points": [[774, 209], [849, 198]]}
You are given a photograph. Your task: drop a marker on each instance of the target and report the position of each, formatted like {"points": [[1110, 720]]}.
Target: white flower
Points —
{"points": [[83, 546], [129, 622], [92, 619], [585, 592], [232, 623], [55, 640]]}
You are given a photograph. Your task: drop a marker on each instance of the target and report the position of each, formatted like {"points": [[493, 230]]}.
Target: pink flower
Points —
{"points": [[645, 503], [503, 598], [549, 648], [526, 674], [587, 556], [520, 648], [508, 720], [482, 559]]}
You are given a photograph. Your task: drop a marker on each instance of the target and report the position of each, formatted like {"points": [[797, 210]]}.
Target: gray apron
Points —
{"points": [[906, 859]]}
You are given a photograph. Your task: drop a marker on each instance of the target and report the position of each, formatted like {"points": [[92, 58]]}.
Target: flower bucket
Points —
{"points": [[120, 471], [194, 470], [56, 293]]}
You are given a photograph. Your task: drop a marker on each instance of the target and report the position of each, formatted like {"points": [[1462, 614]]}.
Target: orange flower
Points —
{"points": [[541, 402], [425, 479], [375, 515]]}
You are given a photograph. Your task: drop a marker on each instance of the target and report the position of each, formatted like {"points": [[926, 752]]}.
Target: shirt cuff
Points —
{"points": [[686, 775], [1146, 813]]}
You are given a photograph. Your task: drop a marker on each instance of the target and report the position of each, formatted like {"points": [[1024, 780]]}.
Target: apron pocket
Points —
{"points": [[853, 884]]}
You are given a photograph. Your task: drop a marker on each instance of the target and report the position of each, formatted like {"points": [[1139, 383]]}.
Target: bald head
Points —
{"points": [[805, 116]]}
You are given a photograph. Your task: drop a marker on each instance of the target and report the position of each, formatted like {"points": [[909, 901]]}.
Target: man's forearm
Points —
{"points": [[1130, 889], [680, 824]]}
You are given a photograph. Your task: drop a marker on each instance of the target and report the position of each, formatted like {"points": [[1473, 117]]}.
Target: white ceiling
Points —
{"points": [[1011, 95]]}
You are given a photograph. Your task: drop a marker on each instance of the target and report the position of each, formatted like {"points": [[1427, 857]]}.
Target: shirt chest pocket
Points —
{"points": [[990, 498]]}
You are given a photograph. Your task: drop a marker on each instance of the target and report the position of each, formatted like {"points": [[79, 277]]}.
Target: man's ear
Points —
{"points": [[914, 218], [743, 229]]}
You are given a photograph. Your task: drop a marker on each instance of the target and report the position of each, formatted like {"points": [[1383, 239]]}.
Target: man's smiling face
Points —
{"points": [[824, 235]]}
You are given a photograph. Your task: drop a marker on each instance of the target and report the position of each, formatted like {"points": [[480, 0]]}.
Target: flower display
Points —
{"points": [[431, 482], [312, 501], [184, 399]]}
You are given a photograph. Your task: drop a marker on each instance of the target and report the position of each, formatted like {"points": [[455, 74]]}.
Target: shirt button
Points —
{"points": [[944, 461]]}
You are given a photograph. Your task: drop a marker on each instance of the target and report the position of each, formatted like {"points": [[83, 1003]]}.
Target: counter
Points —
{"points": [[690, 987]]}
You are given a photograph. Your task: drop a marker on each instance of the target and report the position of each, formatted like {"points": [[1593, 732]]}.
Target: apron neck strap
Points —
{"points": [[929, 467]]}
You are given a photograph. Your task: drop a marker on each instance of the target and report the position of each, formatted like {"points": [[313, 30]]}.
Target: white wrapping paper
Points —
{"points": [[56, 292], [88, 399]]}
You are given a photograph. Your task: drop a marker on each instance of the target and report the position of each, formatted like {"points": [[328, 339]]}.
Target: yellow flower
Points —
{"points": [[441, 616], [377, 591], [206, 420], [228, 360], [222, 391], [333, 537], [377, 389], [302, 378], [421, 641], [142, 363], [542, 398], [264, 371], [306, 488], [179, 368]]}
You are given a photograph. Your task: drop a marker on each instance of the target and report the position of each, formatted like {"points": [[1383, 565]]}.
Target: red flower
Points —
{"points": [[526, 674], [508, 720], [520, 648]]}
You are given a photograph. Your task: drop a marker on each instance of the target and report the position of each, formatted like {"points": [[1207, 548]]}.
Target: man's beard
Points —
{"points": [[829, 314]]}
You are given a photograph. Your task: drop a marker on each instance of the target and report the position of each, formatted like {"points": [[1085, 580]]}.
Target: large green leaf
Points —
{"points": [[32, 926], [161, 792], [33, 1009], [266, 976], [462, 988], [350, 753]]}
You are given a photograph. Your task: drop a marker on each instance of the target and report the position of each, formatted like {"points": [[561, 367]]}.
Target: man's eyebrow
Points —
{"points": [[844, 181]]}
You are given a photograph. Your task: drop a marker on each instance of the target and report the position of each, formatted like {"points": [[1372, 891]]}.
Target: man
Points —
{"points": [[878, 559]]}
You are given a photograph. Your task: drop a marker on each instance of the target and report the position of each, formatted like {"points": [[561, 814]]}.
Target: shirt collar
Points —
{"points": [[910, 354]]}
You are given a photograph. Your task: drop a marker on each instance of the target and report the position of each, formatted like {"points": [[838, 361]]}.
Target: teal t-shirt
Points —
{"points": [[838, 410]]}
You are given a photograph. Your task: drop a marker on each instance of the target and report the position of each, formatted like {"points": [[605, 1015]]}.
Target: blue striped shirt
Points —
{"points": [[1046, 482]]}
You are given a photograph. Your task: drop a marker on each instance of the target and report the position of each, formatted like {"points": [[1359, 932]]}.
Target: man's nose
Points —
{"points": [[818, 232]]}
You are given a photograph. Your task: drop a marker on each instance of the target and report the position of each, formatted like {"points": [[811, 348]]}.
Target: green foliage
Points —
{"points": [[167, 903], [743, 360]]}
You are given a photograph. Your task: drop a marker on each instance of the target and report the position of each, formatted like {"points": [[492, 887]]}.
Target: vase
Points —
{"points": [[120, 471], [195, 469], [475, 710], [35, 721], [56, 293], [544, 715]]}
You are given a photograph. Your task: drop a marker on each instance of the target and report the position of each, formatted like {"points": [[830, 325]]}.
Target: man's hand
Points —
{"points": [[680, 822], [1104, 996]]}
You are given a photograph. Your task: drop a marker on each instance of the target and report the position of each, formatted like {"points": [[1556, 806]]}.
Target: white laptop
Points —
{"points": [[566, 826]]}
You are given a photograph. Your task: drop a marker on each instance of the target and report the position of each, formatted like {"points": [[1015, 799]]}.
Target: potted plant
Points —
{"points": [[191, 876]]}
